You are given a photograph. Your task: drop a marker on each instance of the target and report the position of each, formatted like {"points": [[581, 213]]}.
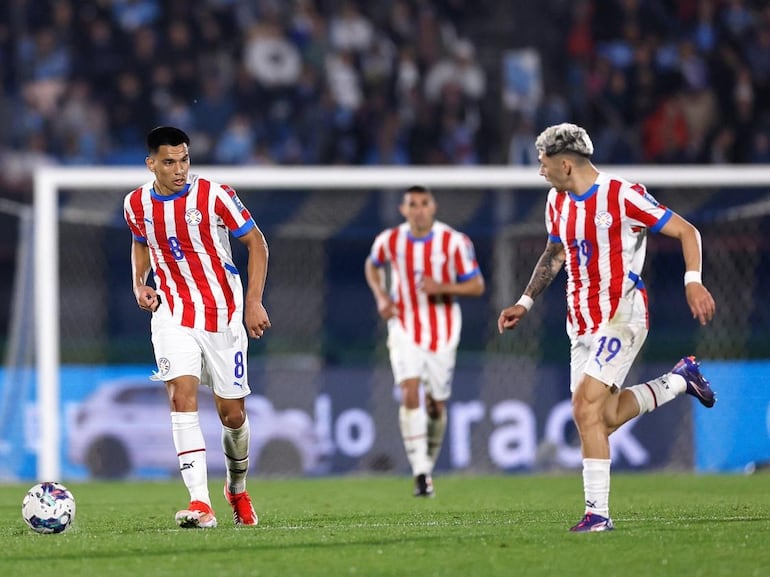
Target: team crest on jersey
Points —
{"points": [[193, 216], [164, 366], [603, 219]]}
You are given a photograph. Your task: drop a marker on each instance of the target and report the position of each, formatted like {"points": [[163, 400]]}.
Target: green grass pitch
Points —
{"points": [[676, 525]]}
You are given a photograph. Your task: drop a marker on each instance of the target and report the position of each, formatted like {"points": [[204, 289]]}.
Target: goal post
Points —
{"points": [[50, 181]]}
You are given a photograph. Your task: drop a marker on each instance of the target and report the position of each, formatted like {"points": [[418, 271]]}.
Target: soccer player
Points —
{"points": [[180, 224], [431, 264], [597, 229]]}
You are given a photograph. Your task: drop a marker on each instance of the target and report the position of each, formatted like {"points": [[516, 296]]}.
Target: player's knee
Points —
{"points": [[410, 394], [233, 419], [434, 408]]}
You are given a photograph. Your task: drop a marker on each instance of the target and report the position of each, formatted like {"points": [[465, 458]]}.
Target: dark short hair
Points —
{"points": [[417, 188], [166, 135]]}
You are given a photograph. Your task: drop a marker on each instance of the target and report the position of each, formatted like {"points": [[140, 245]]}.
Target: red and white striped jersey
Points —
{"points": [[444, 254], [604, 233], [187, 234]]}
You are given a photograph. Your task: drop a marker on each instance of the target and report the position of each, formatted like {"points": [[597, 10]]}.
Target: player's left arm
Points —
{"points": [[255, 315], [699, 298]]}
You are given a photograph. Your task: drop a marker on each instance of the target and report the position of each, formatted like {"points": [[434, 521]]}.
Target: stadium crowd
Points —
{"points": [[391, 82]]}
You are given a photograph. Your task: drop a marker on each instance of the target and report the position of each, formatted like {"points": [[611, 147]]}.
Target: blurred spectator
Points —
{"points": [[236, 146], [214, 108], [272, 60], [349, 30], [395, 82], [460, 69], [665, 135]]}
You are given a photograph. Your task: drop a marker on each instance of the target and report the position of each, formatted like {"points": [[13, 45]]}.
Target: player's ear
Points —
{"points": [[149, 163]]}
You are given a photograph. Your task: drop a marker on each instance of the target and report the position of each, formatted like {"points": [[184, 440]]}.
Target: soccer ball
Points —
{"points": [[48, 508]]}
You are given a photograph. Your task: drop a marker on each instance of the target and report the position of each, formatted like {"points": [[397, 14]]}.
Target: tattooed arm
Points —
{"points": [[548, 266]]}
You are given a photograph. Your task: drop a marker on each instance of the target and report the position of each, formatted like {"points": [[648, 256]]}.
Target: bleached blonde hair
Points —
{"points": [[565, 137]]}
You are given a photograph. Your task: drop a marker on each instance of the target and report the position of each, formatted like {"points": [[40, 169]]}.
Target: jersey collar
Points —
{"points": [[425, 238], [174, 196], [586, 195]]}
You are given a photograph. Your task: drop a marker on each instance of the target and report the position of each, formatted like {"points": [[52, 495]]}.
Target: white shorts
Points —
{"points": [[218, 360], [409, 361], [607, 354]]}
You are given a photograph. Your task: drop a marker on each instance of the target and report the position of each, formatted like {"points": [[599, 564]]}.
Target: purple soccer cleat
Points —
{"points": [[697, 385], [592, 523]]}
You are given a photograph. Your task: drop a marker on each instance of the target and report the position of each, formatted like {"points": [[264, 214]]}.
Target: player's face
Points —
{"points": [[553, 169], [419, 210], [170, 166]]}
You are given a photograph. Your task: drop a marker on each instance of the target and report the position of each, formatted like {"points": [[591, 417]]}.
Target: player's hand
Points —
{"points": [[429, 286], [701, 302], [256, 320], [147, 298], [386, 308], [510, 317]]}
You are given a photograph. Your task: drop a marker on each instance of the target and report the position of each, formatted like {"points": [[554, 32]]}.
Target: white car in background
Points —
{"points": [[124, 426]]}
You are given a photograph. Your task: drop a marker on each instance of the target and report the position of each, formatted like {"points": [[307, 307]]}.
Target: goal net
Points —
{"points": [[323, 389]]}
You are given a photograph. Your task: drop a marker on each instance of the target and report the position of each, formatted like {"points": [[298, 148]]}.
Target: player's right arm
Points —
{"points": [[146, 297], [548, 266], [375, 278]]}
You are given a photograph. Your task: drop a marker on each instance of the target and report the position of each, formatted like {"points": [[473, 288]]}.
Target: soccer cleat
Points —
{"points": [[697, 385], [243, 510], [423, 486], [197, 515], [592, 523]]}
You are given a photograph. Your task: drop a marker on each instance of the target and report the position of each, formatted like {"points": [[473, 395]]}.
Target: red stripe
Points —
{"points": [[244, 211], [193, 259], [554, 214], [554, 210], [392, 244], [593, 273], [654, 398], [445, 278], [191, 451], [412, 289], [167, 258], [217, 265], [574, 268], [137, 224], [155, 253], [428, 272], [617, 276], [139, 228], [633, 211]]}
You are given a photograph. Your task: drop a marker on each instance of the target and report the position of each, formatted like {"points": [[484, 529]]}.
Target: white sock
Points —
{"points": [[657, 392], [191, 450], [414, 431], [596, 486], [235, 445], [436, 430]]}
